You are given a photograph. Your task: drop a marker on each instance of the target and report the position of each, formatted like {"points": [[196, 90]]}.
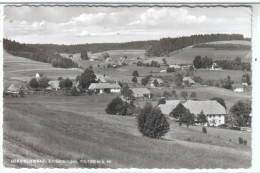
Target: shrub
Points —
{"points": [[74, 91], [188, 139], [33, 83], [204, 129], [240, 140], [161, 101], [151, 122], [135, 73], [134, 79], [245, 142], [117, 106]]}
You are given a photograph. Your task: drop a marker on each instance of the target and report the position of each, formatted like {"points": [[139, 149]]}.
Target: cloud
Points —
{"points": [[168, 16], [80, 25]]}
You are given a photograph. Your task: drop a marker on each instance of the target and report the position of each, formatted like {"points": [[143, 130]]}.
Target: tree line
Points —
{"points": [[235, 64], [167, 45], [37, 54]]}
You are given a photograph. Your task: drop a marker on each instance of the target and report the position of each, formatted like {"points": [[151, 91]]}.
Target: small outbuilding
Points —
{"points": [[141, 92]]}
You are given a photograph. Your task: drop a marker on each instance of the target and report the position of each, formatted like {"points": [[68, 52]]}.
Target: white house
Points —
{"points": [[214, 111], [13, 89], [105, 87], [175, 66], [54, 85], [238, 88], [168, 107], [141, 92]]}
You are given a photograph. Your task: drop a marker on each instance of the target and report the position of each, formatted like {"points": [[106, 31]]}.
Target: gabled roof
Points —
{"points": [[17, 86], [191, 81], [174, 66], [101, 78], [140, 91], [103, 86], [12, 87], [209, 107], [160, 81], [168, 107]]}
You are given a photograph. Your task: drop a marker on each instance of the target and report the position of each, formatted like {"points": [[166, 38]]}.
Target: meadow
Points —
{"points": [[19, 69], [44, 127]]}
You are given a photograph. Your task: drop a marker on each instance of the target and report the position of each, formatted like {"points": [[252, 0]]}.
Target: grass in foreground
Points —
{"points": [[61, 128]]}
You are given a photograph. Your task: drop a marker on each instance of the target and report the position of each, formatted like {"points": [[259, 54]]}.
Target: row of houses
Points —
{"points": [[213, 110], [115, 88]]}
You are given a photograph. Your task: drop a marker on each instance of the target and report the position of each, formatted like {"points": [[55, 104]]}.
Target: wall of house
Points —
{"points": [[216, 120], [115, 90]]}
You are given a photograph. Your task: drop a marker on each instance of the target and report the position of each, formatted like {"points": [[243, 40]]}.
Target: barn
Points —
{"points": [[168, 107], [214, 111]]}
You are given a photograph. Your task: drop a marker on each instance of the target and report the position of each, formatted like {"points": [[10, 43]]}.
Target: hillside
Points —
{"points": [[79, 126], [186, 55], [18, 69]]}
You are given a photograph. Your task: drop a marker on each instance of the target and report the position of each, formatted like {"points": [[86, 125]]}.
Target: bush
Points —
{"points": [[245, 142], [135, 73], [161, 101], [117, 106], [33, 83], [74, 91], [151, 122], [204, 129], [240, 140]]}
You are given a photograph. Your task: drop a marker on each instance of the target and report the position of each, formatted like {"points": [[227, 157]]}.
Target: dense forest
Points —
{"points": [[167, 45], [94, 47]]}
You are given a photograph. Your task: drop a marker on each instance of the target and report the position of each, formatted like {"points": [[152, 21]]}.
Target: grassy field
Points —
{"points": [[19, 69], [186, 55], [63, 127]]}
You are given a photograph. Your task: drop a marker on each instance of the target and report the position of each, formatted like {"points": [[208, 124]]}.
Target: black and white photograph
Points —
{"points": [[127, 87]]}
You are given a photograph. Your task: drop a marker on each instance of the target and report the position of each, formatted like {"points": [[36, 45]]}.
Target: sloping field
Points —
{"points": [[186, 55], [44, 127], [17, 69]]}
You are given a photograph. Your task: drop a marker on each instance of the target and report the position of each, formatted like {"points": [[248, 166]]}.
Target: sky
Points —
{"points": [[78, 25]]}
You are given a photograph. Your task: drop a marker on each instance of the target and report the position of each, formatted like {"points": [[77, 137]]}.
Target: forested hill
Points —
{"points": [[154, 47], [94, 47], [167, 45]]}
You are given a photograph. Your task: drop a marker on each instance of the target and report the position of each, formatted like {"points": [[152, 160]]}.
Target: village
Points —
{"points": [[152, 88]]}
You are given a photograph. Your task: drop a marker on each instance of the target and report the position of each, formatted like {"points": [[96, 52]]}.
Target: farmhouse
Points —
{"points": [[168, 107], [15, 88], [160, 82], [141, 92], [175, 66], [214, 111], [54, 85], [189, 80], [238, 88], [105, 87]]}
